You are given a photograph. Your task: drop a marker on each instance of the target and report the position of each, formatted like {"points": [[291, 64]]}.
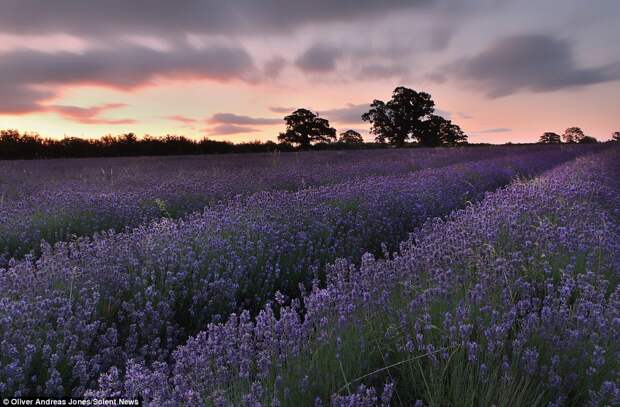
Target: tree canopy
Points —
{"points": [[573, 135], [304, 127], [350, 137], [615, 136], [408, 116], [588, 140], [437, 131], [550, 137]]}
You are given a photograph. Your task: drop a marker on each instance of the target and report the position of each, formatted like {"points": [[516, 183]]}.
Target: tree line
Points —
{"points": [[16, 146], [408, 119], [572, 135]]}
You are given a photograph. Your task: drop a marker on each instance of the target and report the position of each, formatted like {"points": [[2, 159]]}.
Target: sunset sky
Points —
{"points": [[230, 70]]}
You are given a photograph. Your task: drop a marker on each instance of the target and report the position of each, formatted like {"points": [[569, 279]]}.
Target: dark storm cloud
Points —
{"points": [[319, 58], [538, 63], [93, 18], [124, 67], [232, 118]]}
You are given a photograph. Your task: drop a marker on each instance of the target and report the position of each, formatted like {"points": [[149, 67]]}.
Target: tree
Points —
{"points": [[615, 136], [588, 140], [351, 137], [304, 128], [438, 131], [550, 138], [401, 118], [573, 135]]}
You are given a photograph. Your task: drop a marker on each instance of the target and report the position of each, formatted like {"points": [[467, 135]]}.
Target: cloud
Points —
{"points": [[165, 17], [538, 63], [382, 71], [231, 123], [451, 115], [89, 115], [122, 68], [282, 109], [181, 119], [443, 113], [437, 77], [232, 118], [463, 115], [228, 129], [440, 37], [318, 58], [494, 130], [273, 68], [382, 59], [22, 98], [349, 114]]}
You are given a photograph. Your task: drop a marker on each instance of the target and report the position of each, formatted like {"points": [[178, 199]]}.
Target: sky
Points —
{"points": [[231, 70]]}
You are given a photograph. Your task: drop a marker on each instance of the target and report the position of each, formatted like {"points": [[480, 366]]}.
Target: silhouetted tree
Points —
{"points": [[351, 137], [304, 128], [437, 131], [573, 135], [401, 118], [550, 137], [587, 140], [615, 136]]}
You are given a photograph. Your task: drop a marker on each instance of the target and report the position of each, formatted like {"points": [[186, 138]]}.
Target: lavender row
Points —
{"points": [[90, 304], [82, 201], [512, 301], [55, 200]]}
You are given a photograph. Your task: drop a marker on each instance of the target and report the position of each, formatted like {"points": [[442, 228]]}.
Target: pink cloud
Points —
{"points": [[181, 119], [89, 115], [229, 129]]}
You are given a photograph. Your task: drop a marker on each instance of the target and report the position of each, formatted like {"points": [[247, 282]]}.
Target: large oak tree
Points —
{"points": [[304, 127], [408, 116]]}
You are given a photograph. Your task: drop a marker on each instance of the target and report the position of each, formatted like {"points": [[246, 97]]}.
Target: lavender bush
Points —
{"points": [[90, 304], [512, 301], [55, 200]]}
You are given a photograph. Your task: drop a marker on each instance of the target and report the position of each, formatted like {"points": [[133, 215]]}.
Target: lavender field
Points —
{"points": [[427, 277], [53, 200]]}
